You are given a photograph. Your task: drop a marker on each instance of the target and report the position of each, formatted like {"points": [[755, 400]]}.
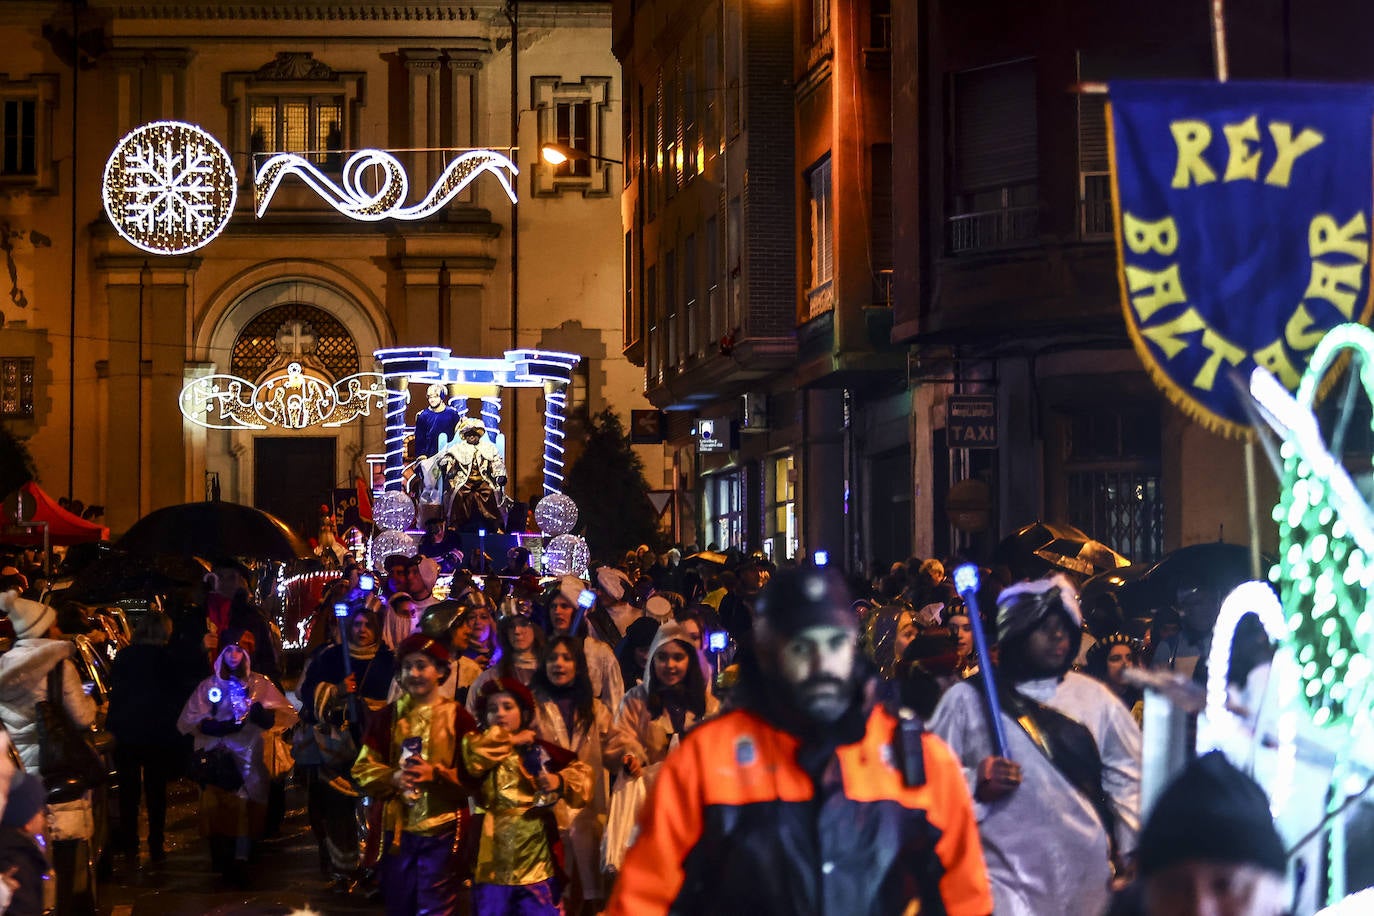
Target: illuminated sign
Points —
{"points": [[169, 187], [295, 399]]}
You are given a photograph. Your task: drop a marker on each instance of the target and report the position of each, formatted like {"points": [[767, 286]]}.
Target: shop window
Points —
{"points": [[724, 510], [784, 541]]}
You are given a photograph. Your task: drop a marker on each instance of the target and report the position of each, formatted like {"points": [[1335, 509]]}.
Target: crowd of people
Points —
{"points": [[662, 736]]}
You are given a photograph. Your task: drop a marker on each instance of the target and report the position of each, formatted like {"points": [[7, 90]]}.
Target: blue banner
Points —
{"points": [[1242, 229]]}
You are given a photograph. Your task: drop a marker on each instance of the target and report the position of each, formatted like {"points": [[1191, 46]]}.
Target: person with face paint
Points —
{"points": [[570, 716], [228, 714], [410, 761], [1059, 818], [807, 797], [519, 869]]}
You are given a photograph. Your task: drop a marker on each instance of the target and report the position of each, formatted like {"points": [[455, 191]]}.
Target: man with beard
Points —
{"points": [[1065, 808], [808, 797]]}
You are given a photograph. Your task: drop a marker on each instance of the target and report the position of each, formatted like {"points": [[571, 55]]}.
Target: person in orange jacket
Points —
{"points": [[810, 797]]}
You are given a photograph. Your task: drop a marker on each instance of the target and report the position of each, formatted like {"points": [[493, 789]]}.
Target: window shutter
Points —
{"points": [[995, 126], [1092, 133]]}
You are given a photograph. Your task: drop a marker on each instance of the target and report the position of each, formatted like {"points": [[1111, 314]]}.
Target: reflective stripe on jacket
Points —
{"points": [[735, 825]]}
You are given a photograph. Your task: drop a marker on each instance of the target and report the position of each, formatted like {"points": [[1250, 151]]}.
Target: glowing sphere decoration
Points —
{"points": [[566, 555], [385, 543], [556, 514], [393, 511], [169, 187]]}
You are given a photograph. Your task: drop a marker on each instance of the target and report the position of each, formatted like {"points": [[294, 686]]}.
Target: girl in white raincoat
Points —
{"points": [[229, 713], [567, 714]]}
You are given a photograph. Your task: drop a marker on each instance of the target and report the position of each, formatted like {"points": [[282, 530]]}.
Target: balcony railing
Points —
{"points": [[991, 229]]}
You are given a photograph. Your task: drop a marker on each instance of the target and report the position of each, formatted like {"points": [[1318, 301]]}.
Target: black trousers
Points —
{"points": [[143, 769]]}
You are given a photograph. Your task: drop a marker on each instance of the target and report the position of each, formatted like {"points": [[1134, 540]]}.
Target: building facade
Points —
{"points": [[99, 338], [758, 252]]}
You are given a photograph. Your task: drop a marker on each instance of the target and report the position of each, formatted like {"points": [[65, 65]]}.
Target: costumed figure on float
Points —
{"points": [[476, 474]]}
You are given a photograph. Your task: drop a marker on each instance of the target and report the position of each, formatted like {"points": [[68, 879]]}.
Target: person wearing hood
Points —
{"points": [[808, 797], [570, 716], [656, 714], [228, 715], [39, 649], [887, 633], [1058, 815]]}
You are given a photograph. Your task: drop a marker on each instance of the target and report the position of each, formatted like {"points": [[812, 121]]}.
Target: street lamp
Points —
{"points": [[557, 154]]}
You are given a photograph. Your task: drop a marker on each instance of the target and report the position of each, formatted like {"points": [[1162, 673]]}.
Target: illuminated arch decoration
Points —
{"points": [[479, 378], [296, 398], [169, 187], [352, 199]]}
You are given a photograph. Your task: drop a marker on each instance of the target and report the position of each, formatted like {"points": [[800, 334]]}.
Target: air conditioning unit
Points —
{"points": [[754, 412]]}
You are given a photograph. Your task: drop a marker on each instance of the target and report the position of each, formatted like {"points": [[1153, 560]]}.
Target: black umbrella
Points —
{"points": [[214, 529], [1215, 566], [118, 575], [1038, 548]]}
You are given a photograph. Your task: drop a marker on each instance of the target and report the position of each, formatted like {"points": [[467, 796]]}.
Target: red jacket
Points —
{"points": [[735, 825]]}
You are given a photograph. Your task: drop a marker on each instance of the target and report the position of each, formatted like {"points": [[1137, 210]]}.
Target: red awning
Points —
{"points": [[64, 528]]}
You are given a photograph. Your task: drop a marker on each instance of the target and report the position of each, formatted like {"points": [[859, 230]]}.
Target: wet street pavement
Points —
{"points": [[285, 873]]}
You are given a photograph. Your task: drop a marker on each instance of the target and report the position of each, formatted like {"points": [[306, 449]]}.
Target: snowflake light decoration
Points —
{"points": [[169, 187]]}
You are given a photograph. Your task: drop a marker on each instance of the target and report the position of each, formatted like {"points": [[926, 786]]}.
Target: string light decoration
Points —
{"points": [[169, 188], [385, 543], [1325, 571], [394, 510], [296, 398], [385, 172], [556, 514], [566, 555]]}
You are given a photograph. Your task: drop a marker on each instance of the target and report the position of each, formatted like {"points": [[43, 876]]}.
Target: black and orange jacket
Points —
{"points": [[735, 825]]}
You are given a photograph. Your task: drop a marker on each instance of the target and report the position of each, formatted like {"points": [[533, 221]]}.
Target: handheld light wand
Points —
{"points": [[966, 584]]}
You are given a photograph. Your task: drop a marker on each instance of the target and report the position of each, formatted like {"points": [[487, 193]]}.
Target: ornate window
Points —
{"points": [[294, 332], [294, 103], [16, 387], [571, 114]]}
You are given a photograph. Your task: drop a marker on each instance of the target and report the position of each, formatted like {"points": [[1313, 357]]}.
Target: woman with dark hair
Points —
{"points": [[633, 650], [672, 699], [519, 641], [1108, 660], [569, 715], [563, 616]]}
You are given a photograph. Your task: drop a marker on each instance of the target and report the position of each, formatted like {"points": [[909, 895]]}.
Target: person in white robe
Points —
{"points": [[1044, 838]]}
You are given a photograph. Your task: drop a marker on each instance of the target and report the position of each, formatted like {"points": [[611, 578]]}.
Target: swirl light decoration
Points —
{"points": [[294, 399], [352, 199]]}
